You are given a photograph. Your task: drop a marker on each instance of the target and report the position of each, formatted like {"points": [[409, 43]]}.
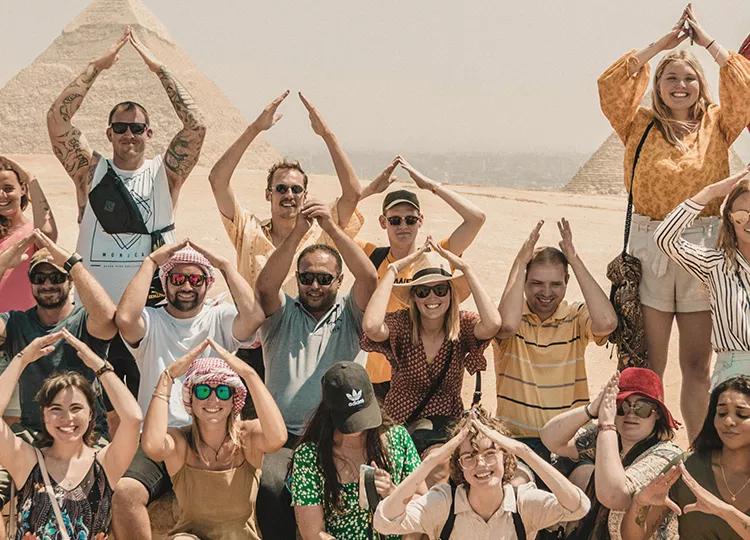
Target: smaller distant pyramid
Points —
{"points": [[24, 100]]}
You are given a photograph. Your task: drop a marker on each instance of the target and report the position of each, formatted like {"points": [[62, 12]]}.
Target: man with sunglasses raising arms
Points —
{"points": [[401, 219], [303, 336], [52, 272], [158, 336]]}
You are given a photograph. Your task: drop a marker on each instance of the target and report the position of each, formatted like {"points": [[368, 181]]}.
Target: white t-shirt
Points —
{"points": [[168, 338], [113, 259]]}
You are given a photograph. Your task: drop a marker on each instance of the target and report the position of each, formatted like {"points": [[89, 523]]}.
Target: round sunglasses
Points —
{"points": [[423, 291], [489, 456], [179, 278], [740, 217], [642, 409], [136, 128], [223, 391]]}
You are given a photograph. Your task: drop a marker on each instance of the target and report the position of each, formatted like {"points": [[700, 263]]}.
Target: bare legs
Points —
{"points": [[695, 357], [129, 514]]}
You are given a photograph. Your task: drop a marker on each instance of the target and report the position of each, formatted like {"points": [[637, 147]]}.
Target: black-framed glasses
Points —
{"points": [[423, 291], [323, 278], [409, 220], [136, 128], [283, 188], [56, 278], [642, 409], [489, 456], [179, 278], [223, 391]]}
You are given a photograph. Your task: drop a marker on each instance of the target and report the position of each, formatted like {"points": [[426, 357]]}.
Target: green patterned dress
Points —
{"points": [[354, 523]]}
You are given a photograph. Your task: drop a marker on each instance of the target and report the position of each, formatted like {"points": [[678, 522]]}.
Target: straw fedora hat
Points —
{"points": [[431, 268]]}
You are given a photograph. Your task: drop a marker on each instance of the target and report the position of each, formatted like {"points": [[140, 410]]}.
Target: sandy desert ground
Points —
{"points": [[597, 223]]}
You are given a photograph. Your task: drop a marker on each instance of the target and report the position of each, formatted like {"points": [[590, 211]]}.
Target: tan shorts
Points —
{"points": [[664, 285]]}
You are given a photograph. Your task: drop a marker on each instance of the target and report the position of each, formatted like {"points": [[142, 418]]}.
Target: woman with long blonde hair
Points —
{"points": [[684, 138]]}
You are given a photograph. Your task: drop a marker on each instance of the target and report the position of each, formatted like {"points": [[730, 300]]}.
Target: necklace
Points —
{"points": [[216, 452], [732, 494]]}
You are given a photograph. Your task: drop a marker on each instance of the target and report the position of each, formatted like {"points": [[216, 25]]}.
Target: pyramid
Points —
{"points": [[603, 173], [24, 100]]}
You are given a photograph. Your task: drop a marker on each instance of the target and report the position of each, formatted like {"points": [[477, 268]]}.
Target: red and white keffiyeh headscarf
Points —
{"points": [[213, 371], [186, 255]]}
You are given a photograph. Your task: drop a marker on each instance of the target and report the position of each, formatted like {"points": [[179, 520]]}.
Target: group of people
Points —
{"points": [[298, 409]]}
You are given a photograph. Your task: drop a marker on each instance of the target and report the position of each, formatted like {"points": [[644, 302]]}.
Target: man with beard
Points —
{"points": [[540, 351], [302, 337], [157, 337], [52, 273]]}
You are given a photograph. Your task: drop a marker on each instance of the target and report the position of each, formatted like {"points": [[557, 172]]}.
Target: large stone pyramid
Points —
{"points": [[24, 100], [603, 172]]}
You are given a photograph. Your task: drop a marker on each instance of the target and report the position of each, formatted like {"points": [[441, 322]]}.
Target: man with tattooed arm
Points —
{"points": [[111, 247]]}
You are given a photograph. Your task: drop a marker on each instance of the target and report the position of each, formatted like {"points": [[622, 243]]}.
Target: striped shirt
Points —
{"points": [[728, 284], [541, 370]]}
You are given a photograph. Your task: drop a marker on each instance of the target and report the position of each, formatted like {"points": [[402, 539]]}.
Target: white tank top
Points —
{"points": [[113, 259]]}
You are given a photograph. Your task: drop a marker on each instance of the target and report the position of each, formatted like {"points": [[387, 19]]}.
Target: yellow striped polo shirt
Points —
{"points": [[541, 370]]}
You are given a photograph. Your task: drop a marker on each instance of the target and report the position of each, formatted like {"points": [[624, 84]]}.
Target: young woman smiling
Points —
{"points": [[685, 146], [708, 493]]}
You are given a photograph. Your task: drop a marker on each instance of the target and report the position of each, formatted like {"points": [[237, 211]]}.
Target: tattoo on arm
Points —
{"points": [[73, 151], [640, 517], [183, 151]]}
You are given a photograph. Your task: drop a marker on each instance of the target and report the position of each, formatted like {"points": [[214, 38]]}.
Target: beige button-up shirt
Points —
{"points": [[427, 514]]}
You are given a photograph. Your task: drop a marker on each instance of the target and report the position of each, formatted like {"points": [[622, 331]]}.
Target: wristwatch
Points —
{"points": [[104, 369], [71, 262]]}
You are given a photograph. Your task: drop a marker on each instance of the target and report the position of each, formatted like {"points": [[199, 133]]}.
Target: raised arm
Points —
{"points": [[490, 322], [249, 313], [116, 457], [271, 278], [702, 38], [15, 254], [473, 217], [69, 144], [268, 433], [603, 316], [100, 309], [365, 275], [351, 190], [512, 300], [16, 456], [668, 41], [128, 318], [185, 148], [44, 220], [221, 173], [381, 182], [649, 507]]}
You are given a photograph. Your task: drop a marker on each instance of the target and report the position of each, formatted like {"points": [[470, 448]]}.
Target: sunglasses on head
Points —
{"points": [[409, 220], [179, 278], [223, 391], [642, 409], [136, 128], [323, 278], [283, 188], [56, 278], [740, 217], [423, 291]]}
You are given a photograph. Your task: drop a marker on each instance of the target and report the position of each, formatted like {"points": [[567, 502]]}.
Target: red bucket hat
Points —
{"points": [[646, 383]]}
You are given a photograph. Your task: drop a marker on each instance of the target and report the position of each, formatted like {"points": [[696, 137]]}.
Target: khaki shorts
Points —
{"points": [[664, 285]]}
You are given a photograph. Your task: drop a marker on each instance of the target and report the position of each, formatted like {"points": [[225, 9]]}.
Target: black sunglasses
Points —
{"points": [[642, 409], [178, 279], [409, 220], [283, 188], [423, 291], [323, 278], [136, 128], [56, 278]]}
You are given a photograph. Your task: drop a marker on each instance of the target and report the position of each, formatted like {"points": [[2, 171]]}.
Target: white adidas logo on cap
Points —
{"points": [[355, 398]]}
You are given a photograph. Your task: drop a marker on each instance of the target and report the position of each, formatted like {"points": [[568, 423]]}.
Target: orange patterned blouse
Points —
{"points": [[666, 176]]}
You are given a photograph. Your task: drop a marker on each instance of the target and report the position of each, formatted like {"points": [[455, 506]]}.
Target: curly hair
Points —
{"points": [[509, 460], [55, 384], [708, 439], [5, 222], [285, 165]]}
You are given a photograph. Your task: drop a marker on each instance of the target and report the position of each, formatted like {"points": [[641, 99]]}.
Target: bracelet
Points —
{"points": [[709, 45], [73, 260], [588, 412], [104, 369], [607, 427], [169, 375], [165, 397]]}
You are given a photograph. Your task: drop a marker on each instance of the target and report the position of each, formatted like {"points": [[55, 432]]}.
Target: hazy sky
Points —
{"points": [[430, 75]]}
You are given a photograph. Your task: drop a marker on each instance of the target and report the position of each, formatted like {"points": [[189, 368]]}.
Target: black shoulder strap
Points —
{"points": [[629, 211], [477, 389], [518, 524], [445, 534], [378, 255], [431, 391]]}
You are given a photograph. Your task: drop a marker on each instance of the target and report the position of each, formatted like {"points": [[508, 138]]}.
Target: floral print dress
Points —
{"points": [[353, 523]]}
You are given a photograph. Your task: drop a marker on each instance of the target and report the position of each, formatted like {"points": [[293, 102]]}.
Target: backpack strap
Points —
{"points": [[378, 255], [518, 524], [445, 534]]}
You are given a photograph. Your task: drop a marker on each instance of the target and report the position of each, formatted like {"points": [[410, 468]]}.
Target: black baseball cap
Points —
{"points": [[348, 393], [398, 197]]}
